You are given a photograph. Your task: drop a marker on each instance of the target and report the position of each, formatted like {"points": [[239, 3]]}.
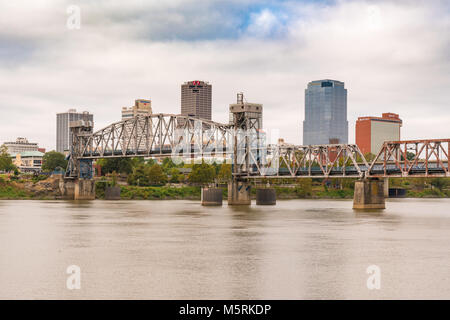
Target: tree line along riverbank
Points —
{"points": [[148, 179], [47, 189]]}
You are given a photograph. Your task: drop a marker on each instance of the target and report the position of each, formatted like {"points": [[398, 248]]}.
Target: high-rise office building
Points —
{"points": [[63, 135], [325, 113], [372, 132], [196, 99], [141, 107]]}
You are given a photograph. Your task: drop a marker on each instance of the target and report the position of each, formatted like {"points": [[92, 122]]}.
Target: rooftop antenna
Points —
{"points": [[240, 98]]}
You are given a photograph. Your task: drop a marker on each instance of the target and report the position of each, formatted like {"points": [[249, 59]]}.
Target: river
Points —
{"points": [[298, 249]]}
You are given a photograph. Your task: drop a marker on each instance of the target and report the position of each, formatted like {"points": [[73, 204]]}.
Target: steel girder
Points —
{"points": [[320, 161], [157, 135], [163, 135], [418, 158]]}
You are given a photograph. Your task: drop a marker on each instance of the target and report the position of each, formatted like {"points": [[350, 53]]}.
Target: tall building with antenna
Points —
{"points": [[196, 99]]}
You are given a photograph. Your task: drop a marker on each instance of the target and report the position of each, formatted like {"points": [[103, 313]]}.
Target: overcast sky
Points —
{"points": [[394, 56]]}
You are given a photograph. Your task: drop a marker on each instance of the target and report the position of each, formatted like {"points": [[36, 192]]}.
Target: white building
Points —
{"points": [[21, 145]]}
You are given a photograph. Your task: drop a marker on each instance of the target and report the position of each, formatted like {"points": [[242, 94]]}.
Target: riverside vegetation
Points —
{"points": [[148, 180]]}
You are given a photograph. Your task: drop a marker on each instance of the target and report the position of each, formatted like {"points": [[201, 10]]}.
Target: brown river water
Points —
{"points": [[298, 249]]}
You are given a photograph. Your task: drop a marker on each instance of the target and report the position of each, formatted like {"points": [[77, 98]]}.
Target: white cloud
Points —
{"points": [[263, 23], [394, 58]]}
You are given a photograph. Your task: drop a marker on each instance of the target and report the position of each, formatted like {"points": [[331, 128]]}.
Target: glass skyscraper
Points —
{"points": [[325, 113]]}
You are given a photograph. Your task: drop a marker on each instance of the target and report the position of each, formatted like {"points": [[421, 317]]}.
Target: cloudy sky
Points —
{"points": [[394, 56]]}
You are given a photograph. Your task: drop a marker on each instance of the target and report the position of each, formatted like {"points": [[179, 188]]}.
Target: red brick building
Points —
{"points": [[371, 132]]}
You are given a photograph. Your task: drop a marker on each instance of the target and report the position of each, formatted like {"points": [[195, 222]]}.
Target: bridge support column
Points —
{"points": [[386, 187], [67, 189], [84, 189], [239, 193], [266, 196], [212, 197], [369, 194]]}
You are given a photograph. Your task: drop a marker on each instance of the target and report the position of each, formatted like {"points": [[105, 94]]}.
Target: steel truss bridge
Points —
{"points": [[243, 142]]}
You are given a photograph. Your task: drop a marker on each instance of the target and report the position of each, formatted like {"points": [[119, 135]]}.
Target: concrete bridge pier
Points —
{"points": [[67, 188], [84, 189], [212, 197], [266, 196], [369, 194], [386, 187], [77, 189], [239, 193]]}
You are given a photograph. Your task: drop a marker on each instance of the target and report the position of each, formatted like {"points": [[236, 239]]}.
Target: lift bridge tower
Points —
{"points": [[79, 174], [248, 139]]}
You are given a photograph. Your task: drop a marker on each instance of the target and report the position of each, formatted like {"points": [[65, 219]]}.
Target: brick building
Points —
{"points": [[372, 132]]}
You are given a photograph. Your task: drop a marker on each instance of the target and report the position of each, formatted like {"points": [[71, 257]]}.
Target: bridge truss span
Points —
{"points": [[419, 158], [290, 161], [157, 135], [244, 142]]}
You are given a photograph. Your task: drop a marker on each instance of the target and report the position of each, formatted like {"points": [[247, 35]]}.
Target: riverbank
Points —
{"points": [[47, 190], [29, 189]]}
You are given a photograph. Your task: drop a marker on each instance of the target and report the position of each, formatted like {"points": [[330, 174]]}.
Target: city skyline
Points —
{"points": [[224, 159], [270, 53]]}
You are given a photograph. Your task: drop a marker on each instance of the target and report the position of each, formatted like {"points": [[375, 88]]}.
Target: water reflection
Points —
{"points": [[299, 249]]}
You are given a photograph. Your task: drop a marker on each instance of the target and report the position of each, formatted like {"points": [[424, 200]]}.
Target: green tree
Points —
{"points": [[224, 174], [416, 183], [53, 160], [144, 175], [150, 162], [113, 179], [369, 157], [202, 173], [168, 165], [439, 183], [157, 175], [137, 161], [176, 176], [304, 187], [409, 156], [6, 163], [120, 165], [139, 177]]}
